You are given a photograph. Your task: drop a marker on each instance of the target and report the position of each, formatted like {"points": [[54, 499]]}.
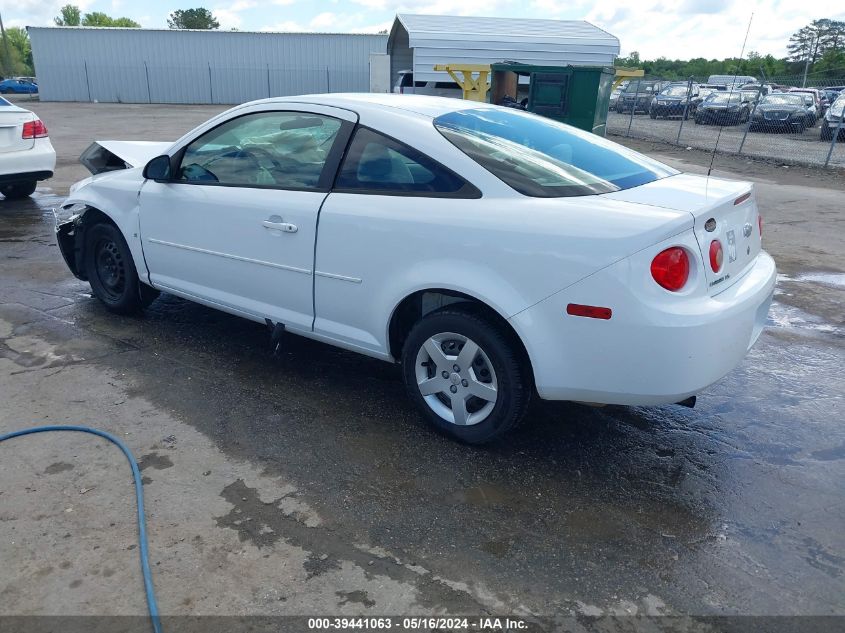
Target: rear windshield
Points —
{"points": [[724, 97], [543, 158]]}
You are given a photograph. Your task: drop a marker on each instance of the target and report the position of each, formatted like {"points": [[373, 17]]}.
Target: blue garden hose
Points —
{"points": [[139, 496]]}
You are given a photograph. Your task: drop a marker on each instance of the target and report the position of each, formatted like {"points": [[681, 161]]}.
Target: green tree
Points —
{"points": [[69, 15], [810, 43], [199, 18], [19, 42], [98, 18]]}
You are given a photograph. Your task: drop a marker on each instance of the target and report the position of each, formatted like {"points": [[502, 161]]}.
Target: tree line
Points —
{"points": [[817, 49]]}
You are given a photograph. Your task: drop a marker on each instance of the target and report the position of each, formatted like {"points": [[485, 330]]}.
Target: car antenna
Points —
{"points": [[730, 93]]}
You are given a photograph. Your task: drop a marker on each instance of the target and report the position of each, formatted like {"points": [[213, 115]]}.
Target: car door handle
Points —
{"points": [[285, 227]]}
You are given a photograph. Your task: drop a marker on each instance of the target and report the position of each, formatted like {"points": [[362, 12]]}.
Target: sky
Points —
{"points": [[679, 29]]}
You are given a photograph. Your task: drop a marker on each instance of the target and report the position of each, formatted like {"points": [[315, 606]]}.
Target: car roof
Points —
{"points": [[423, 105]]}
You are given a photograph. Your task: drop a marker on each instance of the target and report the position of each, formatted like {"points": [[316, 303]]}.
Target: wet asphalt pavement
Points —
{"points": [[734, 507]]}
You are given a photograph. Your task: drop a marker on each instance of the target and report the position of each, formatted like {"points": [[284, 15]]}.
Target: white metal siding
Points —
{"points": [[432, 39], [164, 66]]}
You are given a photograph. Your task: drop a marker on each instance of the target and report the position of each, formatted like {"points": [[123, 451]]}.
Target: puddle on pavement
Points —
{"points": [[786, 316], [837, 280]]}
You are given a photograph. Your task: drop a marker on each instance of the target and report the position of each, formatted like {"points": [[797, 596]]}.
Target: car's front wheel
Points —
{"points": [[111, 271], [467, 374], [17, 190]]}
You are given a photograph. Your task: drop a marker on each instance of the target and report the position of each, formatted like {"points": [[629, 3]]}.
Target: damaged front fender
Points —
{"points": [[70, 235]]}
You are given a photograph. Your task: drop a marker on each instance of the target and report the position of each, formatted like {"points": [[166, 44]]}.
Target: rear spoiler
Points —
{"points": [[104, 156]]}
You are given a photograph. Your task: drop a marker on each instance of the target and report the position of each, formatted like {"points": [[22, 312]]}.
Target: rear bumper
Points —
{"points": [[654, 349], [36, 163]]}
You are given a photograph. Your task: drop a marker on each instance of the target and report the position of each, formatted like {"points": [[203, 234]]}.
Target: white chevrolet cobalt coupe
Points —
{"points": [[495, 254]]}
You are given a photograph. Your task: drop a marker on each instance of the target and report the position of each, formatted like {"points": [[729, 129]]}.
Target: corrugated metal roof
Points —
{"points": [[428, 29], [438, 39]]}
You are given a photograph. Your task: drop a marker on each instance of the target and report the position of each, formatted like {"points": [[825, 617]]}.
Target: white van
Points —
{"points": [[405, 84]]}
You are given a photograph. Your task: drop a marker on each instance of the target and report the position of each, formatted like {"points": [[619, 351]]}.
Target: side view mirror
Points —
{"points": [[158, 169]]}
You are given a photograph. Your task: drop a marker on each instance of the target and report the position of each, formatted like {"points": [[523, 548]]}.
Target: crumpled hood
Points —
{"points": [[104, 156]]}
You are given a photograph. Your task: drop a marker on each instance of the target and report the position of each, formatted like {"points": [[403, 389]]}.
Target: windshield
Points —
{"points": [[675, 91], [724, 97], [642, 86], [543, 158], [782, 99]]}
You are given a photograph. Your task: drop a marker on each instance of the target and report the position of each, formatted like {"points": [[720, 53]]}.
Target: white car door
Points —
{"points": [[391, 207], [235, 226]]}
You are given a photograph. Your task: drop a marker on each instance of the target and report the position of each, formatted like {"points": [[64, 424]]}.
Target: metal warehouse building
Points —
{"points": [[182, 66], [418, 42], [179, 66]]}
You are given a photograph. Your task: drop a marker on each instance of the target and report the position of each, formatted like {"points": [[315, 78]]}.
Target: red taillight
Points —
{"points": [[742, 198], [717, 256], [592, 312], [670, 268], [760, 224], [34, 129]]}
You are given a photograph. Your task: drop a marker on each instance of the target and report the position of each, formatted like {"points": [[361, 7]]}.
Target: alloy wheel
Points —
{"points": [[456, 379]]}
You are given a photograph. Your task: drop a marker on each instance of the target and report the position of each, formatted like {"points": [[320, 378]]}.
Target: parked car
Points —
{"points": [[723, 108], [405, 84], [638, 96], [780, 112], [676, 100], [622, 278], [17, 86], [731, 80], [816, 104], [832, 119], [827, 98], [26, 155], [764, 89], [614, 96], [751, 97]]}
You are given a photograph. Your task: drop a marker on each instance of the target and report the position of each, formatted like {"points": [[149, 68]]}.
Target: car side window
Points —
{"points": [[375, 163], [276, 149]]}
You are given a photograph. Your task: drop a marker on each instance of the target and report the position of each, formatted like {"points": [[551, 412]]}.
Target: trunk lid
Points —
{"points": [[724, 210], [12, 119]]}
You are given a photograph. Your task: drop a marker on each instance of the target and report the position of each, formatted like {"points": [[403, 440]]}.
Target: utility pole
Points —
{"points": [[7, 58], [807, 61]]}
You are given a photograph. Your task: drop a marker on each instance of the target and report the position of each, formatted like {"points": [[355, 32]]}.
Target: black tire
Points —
{"points": [[111, 271], [826, 133], [652, 114], [18, 190], [510, 370]]}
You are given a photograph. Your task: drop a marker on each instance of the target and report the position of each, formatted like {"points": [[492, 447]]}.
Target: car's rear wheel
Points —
{"points": [[17, 190], [826, 133], [111, 271], [466, 374]]}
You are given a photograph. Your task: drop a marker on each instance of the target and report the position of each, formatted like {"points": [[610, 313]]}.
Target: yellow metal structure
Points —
{"points": [[626, 73], [475, 87]]}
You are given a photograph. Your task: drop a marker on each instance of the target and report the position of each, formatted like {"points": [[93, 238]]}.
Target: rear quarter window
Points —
{"points": [[543, 158]]}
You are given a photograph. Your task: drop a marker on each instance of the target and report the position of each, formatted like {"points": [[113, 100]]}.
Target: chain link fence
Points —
{"points": [[747, 129]]}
